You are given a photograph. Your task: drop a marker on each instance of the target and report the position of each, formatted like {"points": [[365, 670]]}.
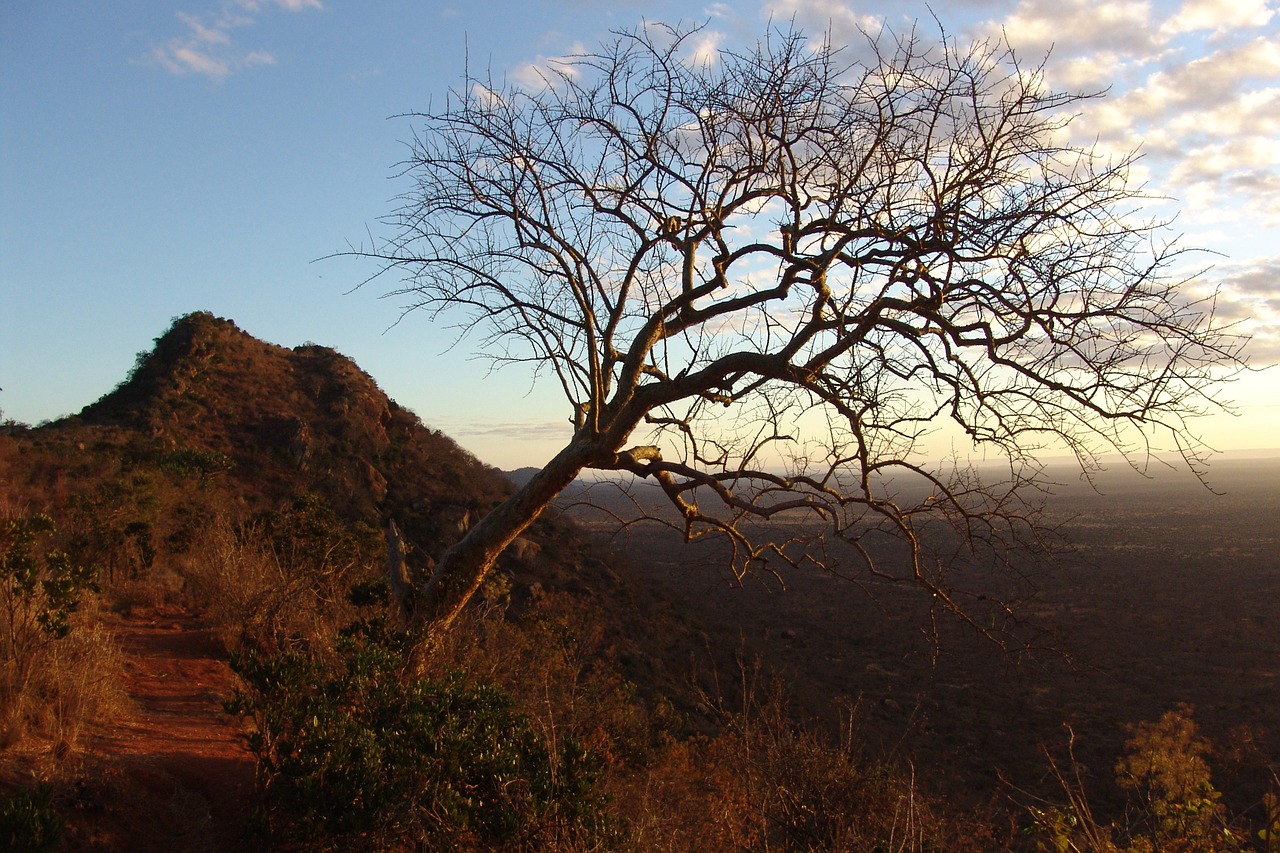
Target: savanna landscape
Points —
{"points": [[875, 514], [226, 673]]}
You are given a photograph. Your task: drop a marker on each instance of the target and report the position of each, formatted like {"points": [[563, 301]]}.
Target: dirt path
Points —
{"points": [[175, 773]]}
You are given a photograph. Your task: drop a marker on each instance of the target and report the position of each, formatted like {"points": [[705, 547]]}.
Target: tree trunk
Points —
{"points": [[464, 567], [398, 573]]}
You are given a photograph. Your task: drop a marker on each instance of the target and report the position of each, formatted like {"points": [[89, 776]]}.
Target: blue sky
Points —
{"points": [[165, 157]]}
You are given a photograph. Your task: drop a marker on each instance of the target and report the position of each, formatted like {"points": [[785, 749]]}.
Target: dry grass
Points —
{"points": [[143, 595], [55, 677], [252, 596], [759, 780], [84, 683], [62, 688], [769, 782]]}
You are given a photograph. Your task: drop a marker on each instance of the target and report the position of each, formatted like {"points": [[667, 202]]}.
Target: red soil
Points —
{"points": [[173, 774]]}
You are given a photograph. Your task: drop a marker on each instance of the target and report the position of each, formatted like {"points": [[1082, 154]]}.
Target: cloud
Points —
{"points": [[1249, 295], [1203, 83], [207, 47], [706, 49], [1218, 16], [1193, 85], [1210, 128], [1244, 161], [1260, 278], [1070, 27], [526, 431], [287, 5], [548, 70]]}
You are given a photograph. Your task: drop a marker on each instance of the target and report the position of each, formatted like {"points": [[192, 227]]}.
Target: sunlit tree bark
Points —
{"points": [[761, 278]]}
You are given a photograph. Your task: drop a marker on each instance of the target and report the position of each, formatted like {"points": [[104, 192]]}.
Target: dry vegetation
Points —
{"points": [[568, 691], [58, 666]]}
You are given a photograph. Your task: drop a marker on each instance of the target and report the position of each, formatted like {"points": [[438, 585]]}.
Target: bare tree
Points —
{"points": [[763, 277]]}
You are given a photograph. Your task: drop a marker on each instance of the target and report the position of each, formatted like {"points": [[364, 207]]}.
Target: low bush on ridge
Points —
{"points": [[57, 669], [364, 749]]}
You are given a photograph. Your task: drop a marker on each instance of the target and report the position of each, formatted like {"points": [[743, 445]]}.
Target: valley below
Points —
{"points": [[1163, 592]]}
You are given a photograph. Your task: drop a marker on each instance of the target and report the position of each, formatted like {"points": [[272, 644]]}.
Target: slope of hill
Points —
{"points": [[214, 421], [277, 420], [295, 458]]}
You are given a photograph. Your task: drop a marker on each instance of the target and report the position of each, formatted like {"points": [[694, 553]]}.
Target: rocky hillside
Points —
{"points": [[276, 420], [214, 421]]}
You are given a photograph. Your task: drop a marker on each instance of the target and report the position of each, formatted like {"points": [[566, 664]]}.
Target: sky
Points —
{"points": [[158, 158]]}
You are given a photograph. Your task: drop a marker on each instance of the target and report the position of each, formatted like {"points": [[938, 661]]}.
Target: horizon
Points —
{"points": [[1163, 463]]}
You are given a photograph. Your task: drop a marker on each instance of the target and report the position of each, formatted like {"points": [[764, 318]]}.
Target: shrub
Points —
{"points": [[40, 590], [28, 821], [81, 681], [768, 781], [365, 752], [280, 579], [195, 462], [236, 580], [1173, 806], [551, 660], [107, 525], [1165, 771]]}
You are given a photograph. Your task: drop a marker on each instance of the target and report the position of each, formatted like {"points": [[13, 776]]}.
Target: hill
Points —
{"points": [[277, 420], [238, 489], [214, 420]]}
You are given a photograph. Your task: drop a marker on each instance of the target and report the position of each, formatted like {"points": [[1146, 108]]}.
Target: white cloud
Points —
{"points": [[207, 48], [835, 17], [520, 431], [287, 5], [485, 96], [1070, 27], [181, 59], [705, 50], [1250, 296], [1218, 16], [546, 70], [1193, 84], [1221, 160], [216, 34], [1258, 278], [1201, 101], [1207, 81]]}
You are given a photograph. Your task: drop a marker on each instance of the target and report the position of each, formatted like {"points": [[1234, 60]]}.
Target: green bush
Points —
{"points": [[195, 463], [1165, 772], [363, 752], [28, 822], [1173, 806], [40, 590]]}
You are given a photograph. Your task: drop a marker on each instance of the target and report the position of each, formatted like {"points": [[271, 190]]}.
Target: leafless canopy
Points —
{"points": [[762, 277]]}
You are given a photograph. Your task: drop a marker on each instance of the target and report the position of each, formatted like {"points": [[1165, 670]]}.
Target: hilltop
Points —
{"points": [[232, 492], [276, 420]]}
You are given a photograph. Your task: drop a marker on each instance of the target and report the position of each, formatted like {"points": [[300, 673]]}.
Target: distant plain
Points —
{"points": [[1164, 592]]}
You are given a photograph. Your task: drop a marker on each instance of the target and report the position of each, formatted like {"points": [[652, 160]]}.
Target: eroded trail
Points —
{"points": [[177, 775]]}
